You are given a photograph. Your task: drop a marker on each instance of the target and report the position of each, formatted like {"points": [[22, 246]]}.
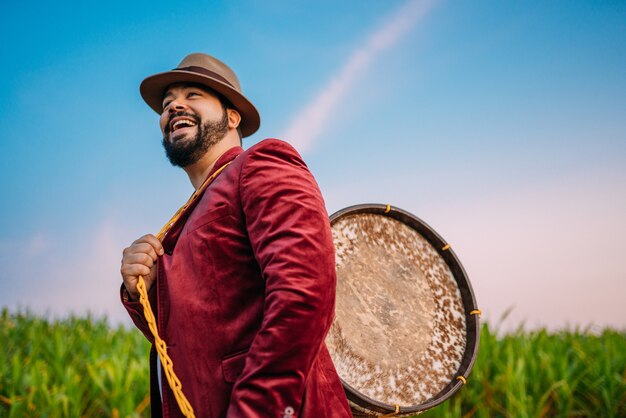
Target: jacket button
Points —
{"points": [[288, 412]]}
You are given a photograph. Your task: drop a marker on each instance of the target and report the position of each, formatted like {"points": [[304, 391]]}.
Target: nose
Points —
{"points": [[176, 105]]}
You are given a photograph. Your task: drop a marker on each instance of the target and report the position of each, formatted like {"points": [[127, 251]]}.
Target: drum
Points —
{"points": [[405, 334]]}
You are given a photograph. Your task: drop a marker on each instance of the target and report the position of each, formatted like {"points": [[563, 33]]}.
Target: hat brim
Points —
{"points": [[153, 88]]}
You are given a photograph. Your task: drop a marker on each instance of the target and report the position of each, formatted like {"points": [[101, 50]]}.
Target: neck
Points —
{"points": [[199, 170]]}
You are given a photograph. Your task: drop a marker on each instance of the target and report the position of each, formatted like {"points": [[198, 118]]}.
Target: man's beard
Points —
{"points": [[183, 152]]}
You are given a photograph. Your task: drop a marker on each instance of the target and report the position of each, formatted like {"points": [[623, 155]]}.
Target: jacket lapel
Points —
{"points": [[170, 239]]}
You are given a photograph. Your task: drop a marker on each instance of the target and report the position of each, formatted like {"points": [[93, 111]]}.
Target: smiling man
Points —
{"points": [[243, 284]]}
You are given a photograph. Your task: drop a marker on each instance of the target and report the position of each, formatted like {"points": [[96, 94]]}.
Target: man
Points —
{"points": [[243, 285]]}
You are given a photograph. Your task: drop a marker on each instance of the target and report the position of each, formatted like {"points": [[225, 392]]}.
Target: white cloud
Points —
{"points": [[37, 244], [552, 250], [311, 121], [73, 272]]}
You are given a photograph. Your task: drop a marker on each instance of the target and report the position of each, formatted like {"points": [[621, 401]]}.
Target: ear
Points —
{"points": [[234, 118]]}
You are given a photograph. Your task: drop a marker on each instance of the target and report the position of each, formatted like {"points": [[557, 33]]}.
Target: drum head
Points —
{"points": [[403, 332]]}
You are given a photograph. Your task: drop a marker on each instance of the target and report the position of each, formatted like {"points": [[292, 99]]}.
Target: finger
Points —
{"points": [[131, 271], [141, 248], [149, 278], [153, 241], [139, 258]]}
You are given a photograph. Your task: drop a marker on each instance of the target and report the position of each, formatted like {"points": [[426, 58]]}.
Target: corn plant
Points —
{"points": [[76, 367], [81, 367]]}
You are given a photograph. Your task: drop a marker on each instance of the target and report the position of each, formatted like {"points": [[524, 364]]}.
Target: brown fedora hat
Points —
{"points": [[211, 72]]}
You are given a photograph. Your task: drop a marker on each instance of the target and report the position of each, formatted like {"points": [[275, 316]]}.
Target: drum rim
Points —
{"points": [[467, 296]]}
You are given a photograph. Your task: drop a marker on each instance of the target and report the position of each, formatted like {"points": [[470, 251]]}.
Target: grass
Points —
{"points": [[80, 367]]}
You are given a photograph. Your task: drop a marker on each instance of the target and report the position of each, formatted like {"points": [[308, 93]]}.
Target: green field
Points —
{"points": [[80, 367]]}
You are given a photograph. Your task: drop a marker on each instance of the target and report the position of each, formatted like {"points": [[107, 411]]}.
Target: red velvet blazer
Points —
{"points": [[245, 294]]}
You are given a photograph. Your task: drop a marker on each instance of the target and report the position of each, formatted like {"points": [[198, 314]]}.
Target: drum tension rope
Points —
{"points": [[393, 414]]}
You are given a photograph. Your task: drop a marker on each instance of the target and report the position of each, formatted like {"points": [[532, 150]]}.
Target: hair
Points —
{"points": [[226, 104]]}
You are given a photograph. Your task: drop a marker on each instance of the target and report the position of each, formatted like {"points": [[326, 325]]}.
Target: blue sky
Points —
{"points": [[501, 124]]}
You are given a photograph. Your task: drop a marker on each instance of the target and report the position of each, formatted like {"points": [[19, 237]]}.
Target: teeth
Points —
{"points": [[186, 122]]}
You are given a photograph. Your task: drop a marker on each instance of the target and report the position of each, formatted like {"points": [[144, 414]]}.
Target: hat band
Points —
{"points": [[202, 70]]}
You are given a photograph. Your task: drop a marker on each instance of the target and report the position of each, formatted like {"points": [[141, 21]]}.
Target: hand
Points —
{"points": [[139, 259]]}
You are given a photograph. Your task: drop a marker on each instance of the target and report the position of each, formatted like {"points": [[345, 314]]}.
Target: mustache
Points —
{"points": [[177, 114]]}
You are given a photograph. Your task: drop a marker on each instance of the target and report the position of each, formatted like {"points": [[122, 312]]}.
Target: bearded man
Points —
{"points": [[243, 284]]}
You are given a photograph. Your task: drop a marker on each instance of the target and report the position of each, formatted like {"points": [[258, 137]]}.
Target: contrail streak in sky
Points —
{"points": [[311, 121]]}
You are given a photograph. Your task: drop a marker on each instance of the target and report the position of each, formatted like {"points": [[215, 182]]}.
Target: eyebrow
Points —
{"points": [[200, 87]]}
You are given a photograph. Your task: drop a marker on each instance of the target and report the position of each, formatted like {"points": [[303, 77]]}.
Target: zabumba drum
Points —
{"points": [[406, 331]]}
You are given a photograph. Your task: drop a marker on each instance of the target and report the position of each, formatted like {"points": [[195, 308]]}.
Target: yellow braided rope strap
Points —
{"points": [[161, 346]]}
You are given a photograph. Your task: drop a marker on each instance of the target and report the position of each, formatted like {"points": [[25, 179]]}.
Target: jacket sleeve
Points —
{"points": [[135, 311], [290, 235]]}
